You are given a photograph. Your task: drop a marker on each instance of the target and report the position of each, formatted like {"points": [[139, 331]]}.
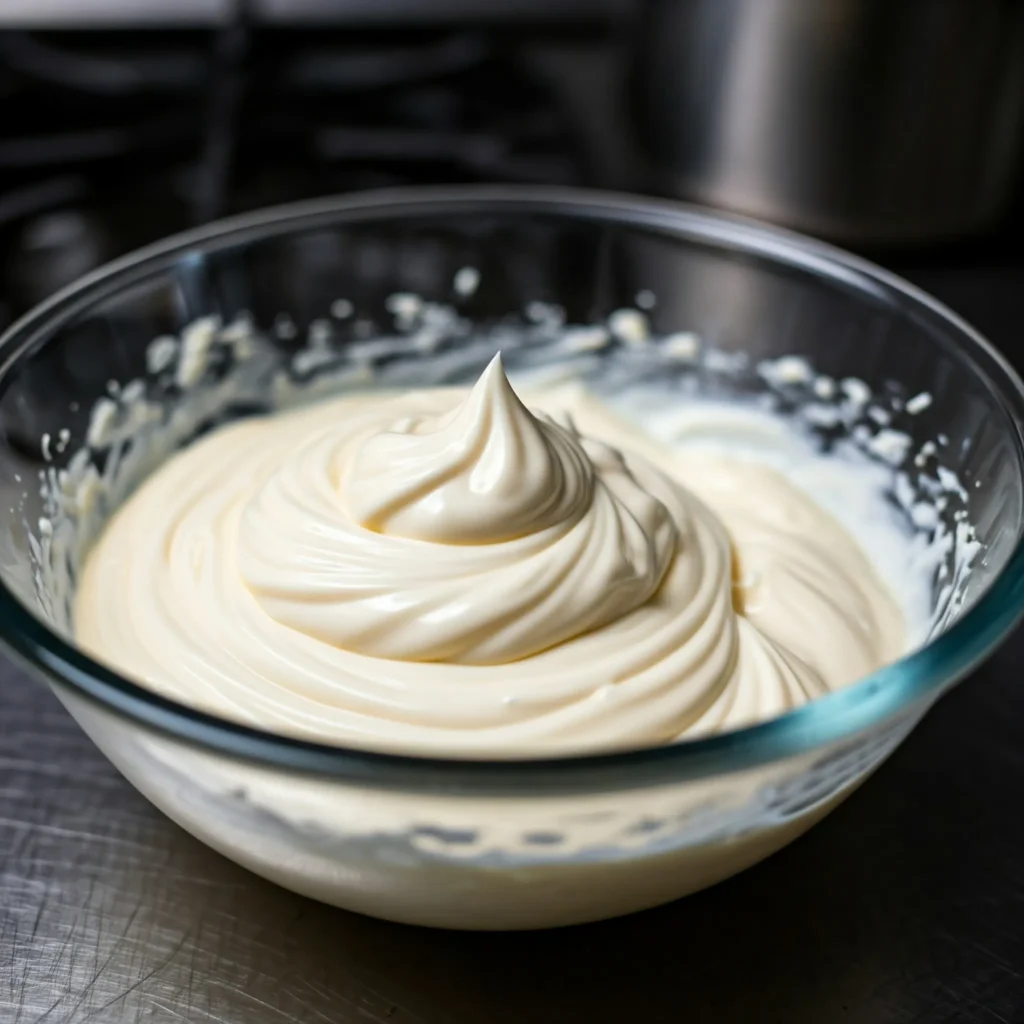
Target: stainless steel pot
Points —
{"points": [[863, 120]]}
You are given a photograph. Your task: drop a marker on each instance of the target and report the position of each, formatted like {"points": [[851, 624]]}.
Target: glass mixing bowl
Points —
{"points": [[323, 296]]}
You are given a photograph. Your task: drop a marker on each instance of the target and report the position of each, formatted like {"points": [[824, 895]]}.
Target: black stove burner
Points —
{"points": [[109, 142], [142, 136]]}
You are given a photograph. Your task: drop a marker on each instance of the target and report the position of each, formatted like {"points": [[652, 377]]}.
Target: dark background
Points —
{"points": [[905, 905]]}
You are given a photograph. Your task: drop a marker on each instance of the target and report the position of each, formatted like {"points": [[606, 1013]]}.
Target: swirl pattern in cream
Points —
{"points": [[448, 572]]}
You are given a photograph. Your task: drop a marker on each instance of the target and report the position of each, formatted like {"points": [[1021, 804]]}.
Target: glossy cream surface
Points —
{"points": [[464, 572]]}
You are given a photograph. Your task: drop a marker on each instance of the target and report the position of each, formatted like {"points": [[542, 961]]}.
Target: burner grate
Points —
{"points": [[144, 135]]}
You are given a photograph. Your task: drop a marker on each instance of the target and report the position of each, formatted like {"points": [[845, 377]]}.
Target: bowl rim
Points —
{"points": [[898, 692]]}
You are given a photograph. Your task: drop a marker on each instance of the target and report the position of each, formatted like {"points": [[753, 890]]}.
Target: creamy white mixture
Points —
{"points": [[455, 572], [538, 858]]}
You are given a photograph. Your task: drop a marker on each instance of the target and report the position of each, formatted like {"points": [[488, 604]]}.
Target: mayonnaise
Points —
{"points": [[455, 572]]}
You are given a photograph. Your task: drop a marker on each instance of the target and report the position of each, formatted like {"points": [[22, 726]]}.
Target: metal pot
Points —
{"points": [[863, 120]]}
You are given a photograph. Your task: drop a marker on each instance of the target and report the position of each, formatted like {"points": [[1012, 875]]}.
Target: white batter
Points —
{"points": [[453, 572]]}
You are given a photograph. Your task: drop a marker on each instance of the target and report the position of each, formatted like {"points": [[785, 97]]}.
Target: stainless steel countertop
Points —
{"points": [[905, 905], [110, 913]]}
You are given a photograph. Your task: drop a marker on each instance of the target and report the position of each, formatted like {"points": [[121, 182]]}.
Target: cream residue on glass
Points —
{"points": [[454, 572]]}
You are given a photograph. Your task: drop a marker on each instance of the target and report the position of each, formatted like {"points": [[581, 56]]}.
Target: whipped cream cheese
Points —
{"points": [[461, 572]]}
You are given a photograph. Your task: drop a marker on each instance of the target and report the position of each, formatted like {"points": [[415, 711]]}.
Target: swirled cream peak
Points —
{"points": [[485, 471], [475, 533], [460, 572]]}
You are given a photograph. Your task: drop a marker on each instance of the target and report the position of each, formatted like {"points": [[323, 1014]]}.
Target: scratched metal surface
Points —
{"points": [[906, 905]]}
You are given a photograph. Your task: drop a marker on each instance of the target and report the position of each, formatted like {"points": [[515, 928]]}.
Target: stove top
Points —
{"points": [[111, 141]]}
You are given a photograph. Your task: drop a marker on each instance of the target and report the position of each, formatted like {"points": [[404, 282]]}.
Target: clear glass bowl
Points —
{"points": [[499, 844]]}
